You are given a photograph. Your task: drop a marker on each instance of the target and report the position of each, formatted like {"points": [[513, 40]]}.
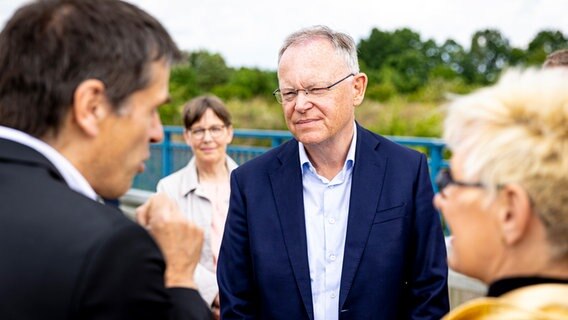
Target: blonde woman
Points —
{"points": [[505, 197]]}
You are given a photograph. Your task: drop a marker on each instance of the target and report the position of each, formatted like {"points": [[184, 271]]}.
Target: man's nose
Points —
{"points": [[156, 130], [303, 101]]}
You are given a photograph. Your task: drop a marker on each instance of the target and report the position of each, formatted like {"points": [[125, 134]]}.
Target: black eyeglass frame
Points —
{"points": [[444, 178], [308, 91]]}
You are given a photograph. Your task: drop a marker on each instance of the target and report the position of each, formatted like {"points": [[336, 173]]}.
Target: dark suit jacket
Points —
{"points": [[395, 259], [65, 256]]}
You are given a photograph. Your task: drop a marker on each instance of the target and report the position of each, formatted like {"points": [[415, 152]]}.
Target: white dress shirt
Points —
{"points": [[70, 174], [326, 209]]}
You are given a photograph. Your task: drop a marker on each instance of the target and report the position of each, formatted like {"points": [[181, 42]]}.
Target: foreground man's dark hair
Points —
{"points": [[49, 47]]}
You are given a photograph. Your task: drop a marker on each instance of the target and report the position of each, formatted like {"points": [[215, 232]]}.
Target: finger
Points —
{"points": [[156, 209], [141, 213], [163, 209], [175, 210]]}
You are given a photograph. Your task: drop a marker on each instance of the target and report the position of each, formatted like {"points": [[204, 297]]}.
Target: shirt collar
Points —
{"points": [[70, 174], [190, 180], [305, 163]]}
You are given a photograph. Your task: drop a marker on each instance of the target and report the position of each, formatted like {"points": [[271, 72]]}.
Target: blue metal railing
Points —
{"points": [[172, 154]]}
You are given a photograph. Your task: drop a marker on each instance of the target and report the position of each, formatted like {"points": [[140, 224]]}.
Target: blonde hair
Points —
{"points": [[516, 131]]}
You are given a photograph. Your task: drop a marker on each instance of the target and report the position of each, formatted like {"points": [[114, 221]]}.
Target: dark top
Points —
{"points": [[502, 286], [65, 256]]}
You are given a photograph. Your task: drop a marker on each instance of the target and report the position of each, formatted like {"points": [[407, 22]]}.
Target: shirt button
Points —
{"points": [[332, 257], [331, 220], [333, 295]]}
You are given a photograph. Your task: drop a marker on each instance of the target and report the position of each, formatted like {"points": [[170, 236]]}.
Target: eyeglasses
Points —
{"points": [[214, 131], [288, 95], [444, 179]]}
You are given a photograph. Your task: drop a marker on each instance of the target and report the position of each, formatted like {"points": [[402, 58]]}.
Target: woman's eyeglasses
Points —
{"points": [[444, 179], [214, 131]]}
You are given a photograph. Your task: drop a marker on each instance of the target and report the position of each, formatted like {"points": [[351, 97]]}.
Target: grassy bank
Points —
{"points": [[399, 116]]}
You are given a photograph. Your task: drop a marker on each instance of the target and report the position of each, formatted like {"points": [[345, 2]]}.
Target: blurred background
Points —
{"points": [[416, 53]]}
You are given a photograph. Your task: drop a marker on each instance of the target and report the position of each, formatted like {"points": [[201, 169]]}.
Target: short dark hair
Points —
{"points": [[558, 58], [196, 107], [49, 47]]}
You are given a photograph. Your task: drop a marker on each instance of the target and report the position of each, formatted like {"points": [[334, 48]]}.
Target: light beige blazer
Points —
{"points": [[183, 187]]}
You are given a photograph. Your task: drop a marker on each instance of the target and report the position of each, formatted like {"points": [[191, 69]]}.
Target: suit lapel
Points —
{"points": [[366, 187], [18, 153], [286, 182]]}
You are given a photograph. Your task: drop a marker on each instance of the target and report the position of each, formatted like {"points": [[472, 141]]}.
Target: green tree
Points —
{"points": [[246, 83], [183, 86], [544, 43], [411, 70], [400, 59], [374, 50], [380, 46], [210, 68], [452, 59], [490, 53]]}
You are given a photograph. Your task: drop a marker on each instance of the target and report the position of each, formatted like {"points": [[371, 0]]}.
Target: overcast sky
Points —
{"points": [[249, 32]]}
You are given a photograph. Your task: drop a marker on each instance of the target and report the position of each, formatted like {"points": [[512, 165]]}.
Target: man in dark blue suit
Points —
{"points": [[337, 223]]}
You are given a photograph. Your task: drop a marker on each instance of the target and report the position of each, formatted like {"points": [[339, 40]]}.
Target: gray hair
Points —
{"points": [[343, 43], [558, 58]]}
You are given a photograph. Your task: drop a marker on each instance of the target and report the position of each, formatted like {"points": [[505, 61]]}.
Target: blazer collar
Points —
{"points": [[366, 187], [19, 153], [286, 180], [72, 176], [190, 180]]}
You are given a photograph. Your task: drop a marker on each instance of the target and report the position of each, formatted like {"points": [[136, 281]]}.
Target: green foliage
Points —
{"points": [[452, 57], [210, 68], [183, 86], [439, 90], [543, 44], [519, 57], [400, 59], [409, 71], [400, 117], [247, 83], [206, 73], [408, 79], [490, 53], [381, 92], [257, 113]]}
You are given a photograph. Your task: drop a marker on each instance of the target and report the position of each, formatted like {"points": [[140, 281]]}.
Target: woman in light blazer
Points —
{"points": [[202, 188]]}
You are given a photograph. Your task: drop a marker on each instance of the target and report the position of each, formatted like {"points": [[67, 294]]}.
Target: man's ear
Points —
{"points": [[515, 214], [90, 106], [360, 85]]}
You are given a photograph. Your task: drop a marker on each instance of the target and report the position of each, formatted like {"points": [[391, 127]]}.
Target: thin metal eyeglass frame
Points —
{"points": [[205, 130], [278, 93]]}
